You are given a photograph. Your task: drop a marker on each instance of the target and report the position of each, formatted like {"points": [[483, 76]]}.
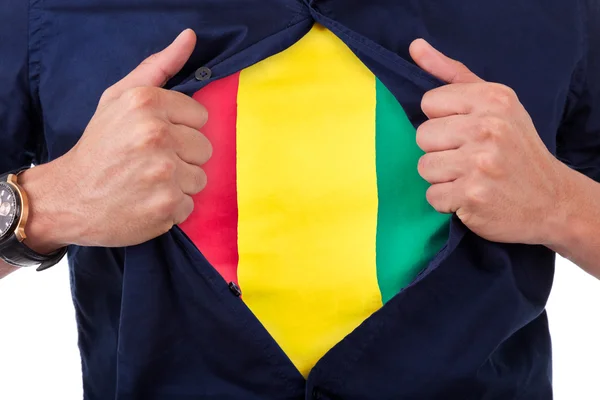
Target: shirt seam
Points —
{"points": [[579, 77], [35, 36], [584, 41]]}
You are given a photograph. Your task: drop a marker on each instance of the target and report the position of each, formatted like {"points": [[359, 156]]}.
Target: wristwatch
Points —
{"points": [[14, 210]]}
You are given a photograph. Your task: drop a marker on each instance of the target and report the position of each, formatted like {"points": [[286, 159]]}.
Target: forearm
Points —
{"points": [[574, 228], [6, 269], [43, 229], [50, 219]]}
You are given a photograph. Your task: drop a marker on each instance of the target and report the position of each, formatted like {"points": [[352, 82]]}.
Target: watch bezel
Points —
{"points": [[22, 211], [15, 223], [22, 208]]}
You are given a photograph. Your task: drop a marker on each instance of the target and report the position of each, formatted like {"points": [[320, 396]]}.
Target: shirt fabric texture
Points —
{"points": [[156, 321]]}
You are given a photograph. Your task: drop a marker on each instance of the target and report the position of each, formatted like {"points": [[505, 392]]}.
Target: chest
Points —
{"points": [[83, 47]]}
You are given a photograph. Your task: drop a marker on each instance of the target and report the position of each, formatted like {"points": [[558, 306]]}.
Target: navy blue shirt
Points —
{"points": [[156, 321]]}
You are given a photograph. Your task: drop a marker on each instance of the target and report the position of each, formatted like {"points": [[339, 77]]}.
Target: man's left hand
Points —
{"points": [[484, 158]]}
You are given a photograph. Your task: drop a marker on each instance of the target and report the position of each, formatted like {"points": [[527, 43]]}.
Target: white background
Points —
{"points": [[38, 341]]}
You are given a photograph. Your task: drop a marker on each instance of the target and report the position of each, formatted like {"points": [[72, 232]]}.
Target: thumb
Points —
{"points": [[157, 69], [439, 65]]}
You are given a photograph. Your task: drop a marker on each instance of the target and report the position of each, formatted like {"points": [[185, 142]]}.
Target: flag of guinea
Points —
{"points": [[314, 205]]}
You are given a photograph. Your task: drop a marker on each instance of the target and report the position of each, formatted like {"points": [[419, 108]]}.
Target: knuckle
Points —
{"points": [[430, 196], [507, 90], [495, 127], [202, 114], [421, 136], [166, 204], [186, 208], [475, 194], [206, 150], [502, 96], [141, 98], [150, 60], [154, 134], [463, 73], [423, 164], [491, 163], [427, 101], [460, 66], [108, 95], [167, 224], [198, 181], [481, 130], [201, 180], [161, 171], [487, 162], [433, 198]]}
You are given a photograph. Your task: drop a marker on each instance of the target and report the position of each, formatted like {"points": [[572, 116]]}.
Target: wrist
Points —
{"points": [[48, 227], [6, 269], [564, 224]]}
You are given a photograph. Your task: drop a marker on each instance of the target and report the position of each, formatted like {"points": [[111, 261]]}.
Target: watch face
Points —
{"points": [[8, 209]]}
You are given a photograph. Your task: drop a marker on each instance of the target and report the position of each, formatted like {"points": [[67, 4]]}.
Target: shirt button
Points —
{"points": [[316, 394], [203, 73], [235, 289]]}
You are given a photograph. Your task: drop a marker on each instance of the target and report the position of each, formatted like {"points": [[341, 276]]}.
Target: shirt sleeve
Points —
{"points": [[21, 142], [578, 143]]}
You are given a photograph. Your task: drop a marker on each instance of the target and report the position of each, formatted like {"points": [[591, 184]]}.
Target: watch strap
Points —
{"points": [[19, 255], [17, 171]]}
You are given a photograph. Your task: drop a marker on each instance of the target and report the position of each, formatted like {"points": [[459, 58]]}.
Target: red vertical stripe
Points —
{"points": [[213, 224]]}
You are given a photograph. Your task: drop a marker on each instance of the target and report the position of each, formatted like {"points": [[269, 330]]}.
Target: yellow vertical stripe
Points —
{"points": [[307, 195]]}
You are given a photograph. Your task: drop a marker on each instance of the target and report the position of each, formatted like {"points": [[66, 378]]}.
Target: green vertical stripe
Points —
{"points": [[409, 230]]}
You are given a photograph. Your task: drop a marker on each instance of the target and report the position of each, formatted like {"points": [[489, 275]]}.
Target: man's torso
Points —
{"points": [[156, 321]]}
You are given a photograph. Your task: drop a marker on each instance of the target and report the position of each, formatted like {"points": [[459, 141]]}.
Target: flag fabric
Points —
{"points": [[314, 205]]}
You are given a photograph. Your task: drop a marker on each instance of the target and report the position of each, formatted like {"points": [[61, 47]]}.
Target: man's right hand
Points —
{"points": [[131, 176]]}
